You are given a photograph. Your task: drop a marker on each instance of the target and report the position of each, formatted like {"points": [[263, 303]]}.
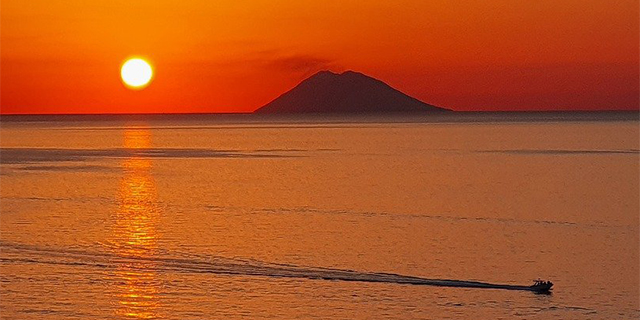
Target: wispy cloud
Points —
{"points": [[305, 64], [302, 64]]}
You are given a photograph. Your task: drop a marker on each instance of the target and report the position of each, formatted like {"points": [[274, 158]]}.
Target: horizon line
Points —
{"points": [[335, 113]]}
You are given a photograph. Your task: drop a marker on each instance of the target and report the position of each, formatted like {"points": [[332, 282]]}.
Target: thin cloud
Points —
{"points": [[302, 64]]}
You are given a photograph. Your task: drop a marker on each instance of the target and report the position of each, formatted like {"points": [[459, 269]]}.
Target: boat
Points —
{"points": [[541, 286]]}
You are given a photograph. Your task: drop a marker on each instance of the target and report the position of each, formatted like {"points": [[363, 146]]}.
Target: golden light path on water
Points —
{"points": [[134, 233]]}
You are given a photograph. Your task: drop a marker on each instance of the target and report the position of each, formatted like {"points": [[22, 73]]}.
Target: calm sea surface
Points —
{"points": [[193, 219]]}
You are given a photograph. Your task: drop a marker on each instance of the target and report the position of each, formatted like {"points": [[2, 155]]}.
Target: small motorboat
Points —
{"points": [[541, 286]]}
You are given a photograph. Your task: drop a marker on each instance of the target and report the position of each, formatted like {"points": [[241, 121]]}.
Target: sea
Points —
{"points": [[311, 217]]}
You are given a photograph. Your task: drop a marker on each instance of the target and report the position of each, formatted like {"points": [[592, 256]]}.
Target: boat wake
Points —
{"points": [[190, 263]]}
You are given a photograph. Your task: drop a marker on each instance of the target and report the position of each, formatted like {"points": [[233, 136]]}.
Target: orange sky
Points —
{"points": [[234, 56]]}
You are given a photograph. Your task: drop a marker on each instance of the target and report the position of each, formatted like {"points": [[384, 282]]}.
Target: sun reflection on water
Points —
{"points": [[134, 233]]}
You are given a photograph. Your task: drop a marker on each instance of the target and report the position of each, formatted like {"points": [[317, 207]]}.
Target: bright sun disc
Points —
{"points": [[136, 73]]}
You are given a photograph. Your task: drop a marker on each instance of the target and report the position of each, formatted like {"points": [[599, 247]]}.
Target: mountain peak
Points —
{"points": [[331, 73], [346, 92]]}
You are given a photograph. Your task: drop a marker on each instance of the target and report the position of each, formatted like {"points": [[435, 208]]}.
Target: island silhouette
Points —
{"points": [[348, 92]]}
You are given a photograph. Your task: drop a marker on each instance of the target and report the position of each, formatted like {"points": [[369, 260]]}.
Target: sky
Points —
{"points": [[64, 56]]}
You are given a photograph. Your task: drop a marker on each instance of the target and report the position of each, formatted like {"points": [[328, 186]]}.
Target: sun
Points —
{"points": [[136, 73]]}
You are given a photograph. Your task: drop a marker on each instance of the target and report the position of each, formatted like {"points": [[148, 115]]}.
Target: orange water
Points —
{"points": [[190, 221]]}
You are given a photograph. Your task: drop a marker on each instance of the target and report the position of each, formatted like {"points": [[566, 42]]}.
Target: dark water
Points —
{"points": [[235, 218]]}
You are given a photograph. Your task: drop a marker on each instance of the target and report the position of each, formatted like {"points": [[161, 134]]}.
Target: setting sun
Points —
{"points": [[136, 73]]}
